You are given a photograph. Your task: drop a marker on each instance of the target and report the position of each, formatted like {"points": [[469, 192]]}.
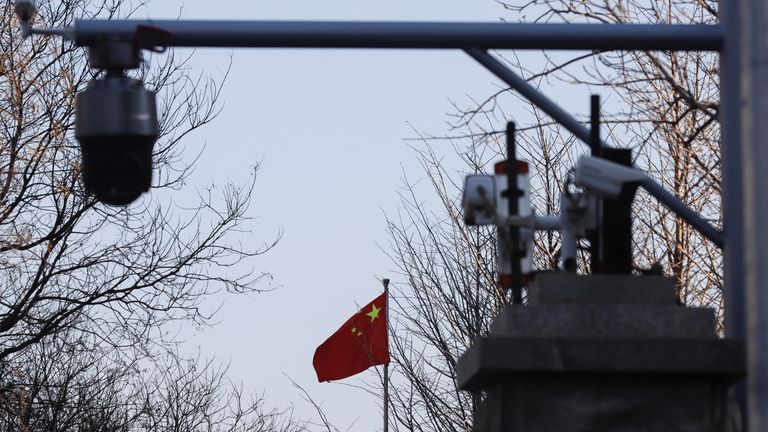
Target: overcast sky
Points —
{"points": [[328, 128]]}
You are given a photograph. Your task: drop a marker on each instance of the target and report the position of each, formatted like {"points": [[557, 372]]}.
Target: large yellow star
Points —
{"points": [[374, 313]]}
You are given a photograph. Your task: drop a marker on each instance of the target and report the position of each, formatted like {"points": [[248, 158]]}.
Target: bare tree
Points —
{"points": [[87, 290], [67, 383], [67, 261], [452, 295], [189, 396], [662, 105], [74, 383]]}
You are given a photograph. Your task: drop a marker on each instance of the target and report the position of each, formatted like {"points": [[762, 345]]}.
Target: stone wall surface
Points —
{"points": [[603, 353]]}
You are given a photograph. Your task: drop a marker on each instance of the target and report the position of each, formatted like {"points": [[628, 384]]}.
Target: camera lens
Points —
{"points": [[116, 172]]}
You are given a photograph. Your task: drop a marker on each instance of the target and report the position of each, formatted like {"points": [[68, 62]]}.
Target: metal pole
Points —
{"points": [[386, 365], [744, 109], [730, 149], [596, 236], [616, 221], [595, 142], [445, 35], [513, 194]]}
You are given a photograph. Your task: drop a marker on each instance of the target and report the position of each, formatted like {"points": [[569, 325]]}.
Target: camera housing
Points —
{"points": [[116, 125], [605, 178], [479, 200]]}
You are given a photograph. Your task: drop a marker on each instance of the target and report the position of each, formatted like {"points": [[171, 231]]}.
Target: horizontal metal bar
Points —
{"points": [[439, 35], [529, 92], [534, 222]]}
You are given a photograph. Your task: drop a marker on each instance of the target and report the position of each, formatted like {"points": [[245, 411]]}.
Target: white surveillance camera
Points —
{"points": [[478, 201], [605, 178], [25, 10]]}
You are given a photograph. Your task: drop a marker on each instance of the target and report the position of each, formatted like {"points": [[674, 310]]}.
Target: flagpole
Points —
{"points": [[386, 365]]}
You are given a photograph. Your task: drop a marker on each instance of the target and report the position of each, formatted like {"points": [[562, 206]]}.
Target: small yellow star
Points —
{"points": [[374, 313], [359, 333], [354, 329]]}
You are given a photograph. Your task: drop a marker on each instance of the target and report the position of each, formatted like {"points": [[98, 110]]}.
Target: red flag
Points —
{"points": [[360, 343]]}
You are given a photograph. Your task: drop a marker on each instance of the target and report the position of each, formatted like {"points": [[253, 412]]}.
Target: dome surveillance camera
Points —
{"points": [[25, 10], [116, 125]]}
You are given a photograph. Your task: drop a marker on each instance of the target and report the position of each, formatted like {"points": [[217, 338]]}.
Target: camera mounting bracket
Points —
{"points": [[116, 55]]}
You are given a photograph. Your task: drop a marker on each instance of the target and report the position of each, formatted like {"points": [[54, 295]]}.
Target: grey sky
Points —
{"points": [[328, 127]]}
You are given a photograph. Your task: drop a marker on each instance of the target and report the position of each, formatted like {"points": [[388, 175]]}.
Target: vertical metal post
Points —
{"points": [[386, 365], [614, 255], [513, 194], [730, 147], [596, 236], [743, 111], [754, 139], [595, 142], [617, 221]]}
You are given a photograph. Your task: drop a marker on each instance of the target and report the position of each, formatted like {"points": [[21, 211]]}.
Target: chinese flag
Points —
{"points": [[360, 343]]}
